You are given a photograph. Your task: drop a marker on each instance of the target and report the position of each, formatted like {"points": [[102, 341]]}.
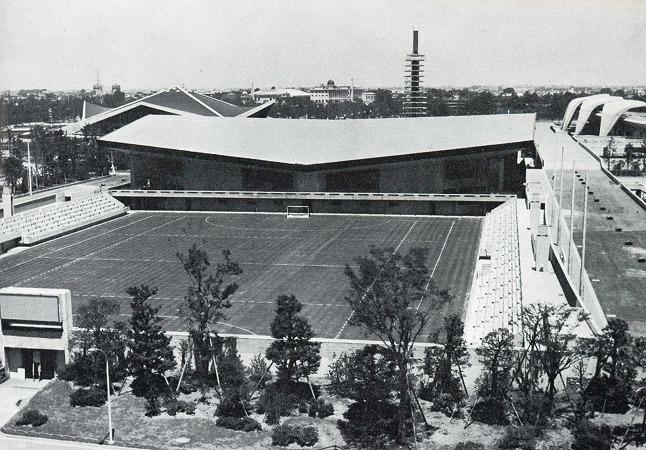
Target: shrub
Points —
{"points": [[445, 403], [238, 423], [284, 435], [284, 397], [369, 423], [88, 397], [518, 438], [257, 372], [231, 405], [469, 445], [609, 395], [81, 371], [272, 417], [321, 408], [589, 436], [307, 437], [152, 407], [490, 411], [174, 406], [32, 417]]}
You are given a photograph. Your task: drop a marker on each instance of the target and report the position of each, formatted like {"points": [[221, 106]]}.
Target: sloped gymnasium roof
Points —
{"points": [[176, 101], [315, 142], [90, 109]]}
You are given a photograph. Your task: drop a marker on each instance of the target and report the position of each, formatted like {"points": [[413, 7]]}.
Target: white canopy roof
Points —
{"points": [[310, 142]]}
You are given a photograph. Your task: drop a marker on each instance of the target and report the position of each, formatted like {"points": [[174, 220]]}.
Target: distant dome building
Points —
{"points": [[330, 83]]}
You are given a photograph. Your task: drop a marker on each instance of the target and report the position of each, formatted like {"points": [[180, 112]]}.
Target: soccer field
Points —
{"points": [[278, 255]]}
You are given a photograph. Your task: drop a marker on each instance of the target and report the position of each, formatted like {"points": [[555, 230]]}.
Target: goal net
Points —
{"points": [[298, 212]]}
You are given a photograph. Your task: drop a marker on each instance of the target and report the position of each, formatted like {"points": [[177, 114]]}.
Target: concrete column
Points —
{"points": [[7, 201], [542, 251], [534, 212]]}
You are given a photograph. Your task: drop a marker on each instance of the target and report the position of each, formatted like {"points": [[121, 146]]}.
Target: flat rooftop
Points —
{"points": [[318, 142]]}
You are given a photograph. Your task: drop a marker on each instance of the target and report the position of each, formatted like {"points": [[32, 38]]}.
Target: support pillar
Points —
{"points": [[7, 201]]}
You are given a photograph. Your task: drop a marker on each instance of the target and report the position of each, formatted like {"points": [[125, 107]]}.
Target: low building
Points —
{"points": [[331, 93], [368, 97], [263, 96], [35, 327]]}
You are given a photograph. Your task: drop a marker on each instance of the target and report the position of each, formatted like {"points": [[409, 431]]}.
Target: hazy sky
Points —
{"points": [[234, 43]]}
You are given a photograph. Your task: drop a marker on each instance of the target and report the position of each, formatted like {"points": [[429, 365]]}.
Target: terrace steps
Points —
{"points": [[496, 299], [53, 220]]}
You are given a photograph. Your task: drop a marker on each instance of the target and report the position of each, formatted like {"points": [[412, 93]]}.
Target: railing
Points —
{"points": [[500, 198]]}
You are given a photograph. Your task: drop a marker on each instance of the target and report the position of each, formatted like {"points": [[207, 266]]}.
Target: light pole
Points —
{"points": [[28, 141], [110, 439]]}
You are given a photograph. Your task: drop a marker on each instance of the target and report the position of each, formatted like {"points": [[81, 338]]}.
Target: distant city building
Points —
{"points": [[262, 96], [116, 87], [97, 89], [455, 104], [368, 97], [415, 97], [330, 93]]}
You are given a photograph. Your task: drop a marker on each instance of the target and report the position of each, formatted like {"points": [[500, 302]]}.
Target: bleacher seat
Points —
{"points": [[52, 220], [495, 300]]}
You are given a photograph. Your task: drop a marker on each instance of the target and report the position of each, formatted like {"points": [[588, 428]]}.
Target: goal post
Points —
{"points": [[298, 212]]}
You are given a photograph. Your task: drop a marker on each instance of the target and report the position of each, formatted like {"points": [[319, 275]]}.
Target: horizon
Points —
{"points": [[144, 45]]}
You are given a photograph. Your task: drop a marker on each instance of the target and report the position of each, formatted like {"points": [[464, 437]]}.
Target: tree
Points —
{"points": [[206, 299], [151, 355], [393, 299], [497, 356], [369, 377], [93, 319], [443, 364], [614, 371], [548, 349], [292, 351], [94, 316]]}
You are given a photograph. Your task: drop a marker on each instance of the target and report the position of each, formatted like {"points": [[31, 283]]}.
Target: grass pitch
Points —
{"points": [[305, 257]]}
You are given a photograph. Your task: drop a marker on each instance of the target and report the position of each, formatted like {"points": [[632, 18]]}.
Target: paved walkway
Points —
{"points": [[45, 197]]}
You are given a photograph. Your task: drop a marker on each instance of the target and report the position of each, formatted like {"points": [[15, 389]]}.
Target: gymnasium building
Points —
{"points": [[360, 166]]}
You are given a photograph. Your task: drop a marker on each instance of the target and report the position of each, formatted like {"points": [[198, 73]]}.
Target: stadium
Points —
{"points": [[294, 202]]}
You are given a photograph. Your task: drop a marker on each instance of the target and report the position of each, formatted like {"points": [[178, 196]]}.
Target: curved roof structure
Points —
{"points": [[176, 101], [587, 107], [612, 111], [572, 107]]}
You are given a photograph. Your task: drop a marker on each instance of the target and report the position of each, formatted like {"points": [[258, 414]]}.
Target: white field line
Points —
{"points": [[345, 324], [123, 241], [430, 278]]}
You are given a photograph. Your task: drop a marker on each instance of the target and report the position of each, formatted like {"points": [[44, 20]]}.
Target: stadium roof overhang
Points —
{"points": [[574, 105], [176, 101], [318, 144], [614, 110]]}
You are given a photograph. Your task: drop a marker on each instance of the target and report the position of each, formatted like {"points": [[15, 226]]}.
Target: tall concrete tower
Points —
{"points": [[415, 98], [97, 89]]}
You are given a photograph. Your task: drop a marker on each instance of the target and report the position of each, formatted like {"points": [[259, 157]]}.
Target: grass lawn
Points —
{"points": [[133, 428]]}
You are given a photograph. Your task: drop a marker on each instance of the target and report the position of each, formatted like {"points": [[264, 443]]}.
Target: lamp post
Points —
{"points": [[28, 141], [110, 439]]}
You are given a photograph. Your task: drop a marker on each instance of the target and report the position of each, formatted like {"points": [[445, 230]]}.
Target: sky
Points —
{"points": [[283, 43]]}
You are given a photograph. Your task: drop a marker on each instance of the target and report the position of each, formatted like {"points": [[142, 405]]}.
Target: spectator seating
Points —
{"points": [[43, 223], [495, 299]]}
